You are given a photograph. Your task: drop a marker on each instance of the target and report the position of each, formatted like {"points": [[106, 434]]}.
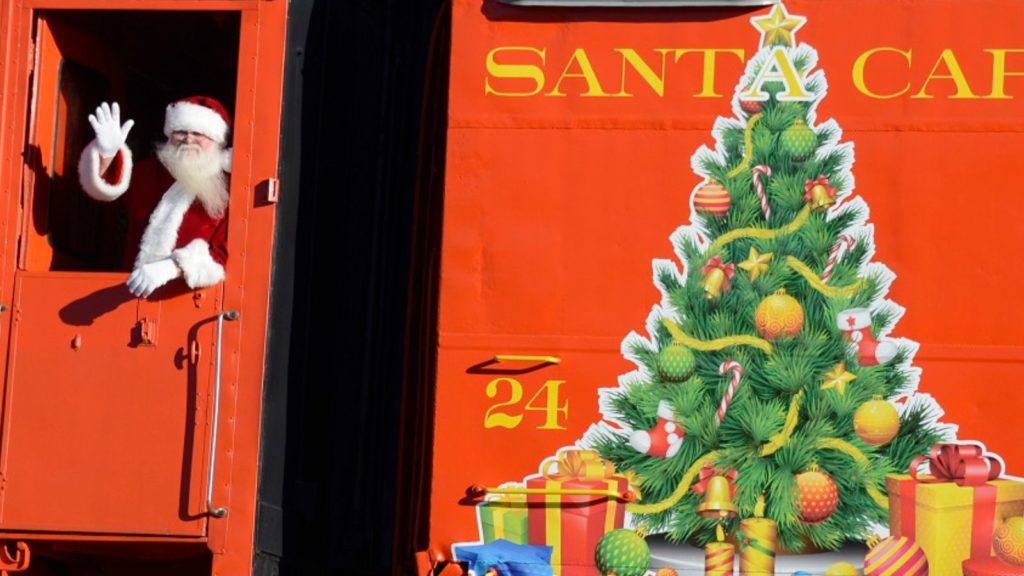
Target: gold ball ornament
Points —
{"points": [[666, 572], [817, 495], [1009, 541], [712, 199], [842, 569], [779, 316], [876, 422]]}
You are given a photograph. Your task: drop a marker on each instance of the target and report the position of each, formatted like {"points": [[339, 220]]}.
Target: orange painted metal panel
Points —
{"points": [[88, 449], [565, 179]]}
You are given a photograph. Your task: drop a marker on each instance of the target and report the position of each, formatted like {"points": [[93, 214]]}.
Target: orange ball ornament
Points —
{"points": [[817, 495], [1009, 541], [712, 199], [666, 572], [779, 316], [876, 422]]}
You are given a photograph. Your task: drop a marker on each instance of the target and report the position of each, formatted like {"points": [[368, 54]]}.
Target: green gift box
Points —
{"points": [[503, 518]]}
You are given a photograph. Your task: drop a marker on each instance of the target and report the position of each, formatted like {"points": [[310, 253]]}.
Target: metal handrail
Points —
{"points": [[230, 315]]}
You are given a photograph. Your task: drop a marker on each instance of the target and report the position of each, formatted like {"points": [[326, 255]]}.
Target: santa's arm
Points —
{"points": [[202, 262], [106, 184], [105, 168]]}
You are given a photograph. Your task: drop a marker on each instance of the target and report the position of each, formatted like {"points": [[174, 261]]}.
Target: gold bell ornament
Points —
{"points": [[717, 503], [717, 277], [819, 194]]}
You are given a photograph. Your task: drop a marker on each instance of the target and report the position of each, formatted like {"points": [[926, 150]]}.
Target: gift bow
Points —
{"points": [[707, 472], [965, 464], [716, 263], [578, 464]]}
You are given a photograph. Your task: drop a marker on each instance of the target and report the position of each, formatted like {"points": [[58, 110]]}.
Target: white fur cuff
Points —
{"points": [[198, 267], [92, 181]]}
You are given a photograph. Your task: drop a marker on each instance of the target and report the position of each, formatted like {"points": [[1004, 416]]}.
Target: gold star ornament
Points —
{"points": [[757, 263], [838, 378], [778, 28]]}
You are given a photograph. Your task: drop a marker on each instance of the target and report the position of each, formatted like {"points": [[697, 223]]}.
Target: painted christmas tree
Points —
{"points": [[767, 361]]}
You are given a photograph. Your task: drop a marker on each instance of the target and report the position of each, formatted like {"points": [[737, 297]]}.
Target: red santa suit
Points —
{"points": [[164, 219]]}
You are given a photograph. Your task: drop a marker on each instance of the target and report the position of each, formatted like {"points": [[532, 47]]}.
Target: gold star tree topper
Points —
{"points": [[778, 28], [838, 378]]}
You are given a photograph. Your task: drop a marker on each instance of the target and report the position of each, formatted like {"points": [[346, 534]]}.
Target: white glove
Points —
{"points": [[148, 277], [110, 134]]}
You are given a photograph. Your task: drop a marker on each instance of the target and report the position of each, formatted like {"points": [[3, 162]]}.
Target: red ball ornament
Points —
{"points": [[712, 199], [817, 495], [751, 107], [895, 556]]}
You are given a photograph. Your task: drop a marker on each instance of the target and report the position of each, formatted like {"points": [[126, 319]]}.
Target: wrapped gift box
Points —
{"points": [[574, 524], [953, 514], [503, 518]]}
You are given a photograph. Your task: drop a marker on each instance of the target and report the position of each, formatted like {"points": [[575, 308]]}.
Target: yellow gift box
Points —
{"points": [[951, 516]]}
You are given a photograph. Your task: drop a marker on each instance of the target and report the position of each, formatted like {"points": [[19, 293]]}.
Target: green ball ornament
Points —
{"points": [[798, 140], [623, 553], [676, 363]]}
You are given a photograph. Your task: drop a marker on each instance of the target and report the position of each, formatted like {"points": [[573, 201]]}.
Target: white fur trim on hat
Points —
{"points": [[198, 267], [189, 117], [853, 319], [92, 181]]}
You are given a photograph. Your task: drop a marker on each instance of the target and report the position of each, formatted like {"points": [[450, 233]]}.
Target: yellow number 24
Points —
{"points": [[544, 400]]}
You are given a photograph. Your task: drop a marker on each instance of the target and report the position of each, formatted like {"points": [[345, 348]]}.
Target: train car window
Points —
{"points": [[142, 60], [73, 219]]}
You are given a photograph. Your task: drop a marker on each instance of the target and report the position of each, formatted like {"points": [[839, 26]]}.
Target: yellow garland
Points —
{"points": [[718, 343], [763, 233], [679, 492], [748, 151], [859, 457], [792, 419], [816, 283]]}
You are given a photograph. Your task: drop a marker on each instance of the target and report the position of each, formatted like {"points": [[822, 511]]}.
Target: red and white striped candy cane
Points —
{"points": [[760, 174], [734, 383], [833, 255]]}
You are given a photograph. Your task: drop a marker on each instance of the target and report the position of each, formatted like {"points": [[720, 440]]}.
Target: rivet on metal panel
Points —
{"points": [[147, 332], [76, 342], [16, 559], [198, 297]]}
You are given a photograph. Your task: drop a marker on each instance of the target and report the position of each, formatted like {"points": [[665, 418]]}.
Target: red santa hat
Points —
{"points": [[200, 114]]}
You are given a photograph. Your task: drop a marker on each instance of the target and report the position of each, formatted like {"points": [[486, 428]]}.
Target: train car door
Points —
{"points": [[110, 430], [107, 402]]}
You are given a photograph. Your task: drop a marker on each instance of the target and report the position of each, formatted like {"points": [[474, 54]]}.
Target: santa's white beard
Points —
{"points": [[199, 171]]}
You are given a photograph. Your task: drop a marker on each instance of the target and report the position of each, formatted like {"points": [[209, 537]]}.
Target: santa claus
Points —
{"points": [[177, 201]]}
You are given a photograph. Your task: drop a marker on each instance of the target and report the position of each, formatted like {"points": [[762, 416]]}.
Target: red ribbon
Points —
{"points": [[705, 477], [966, 465]]}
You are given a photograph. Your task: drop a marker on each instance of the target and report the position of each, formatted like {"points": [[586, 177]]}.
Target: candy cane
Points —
{"points": [[734, 383], [833, 256], [764, 172]]}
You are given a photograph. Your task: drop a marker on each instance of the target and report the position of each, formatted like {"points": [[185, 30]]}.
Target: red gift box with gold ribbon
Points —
{"points": [[953, 512], [574, 523]]}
